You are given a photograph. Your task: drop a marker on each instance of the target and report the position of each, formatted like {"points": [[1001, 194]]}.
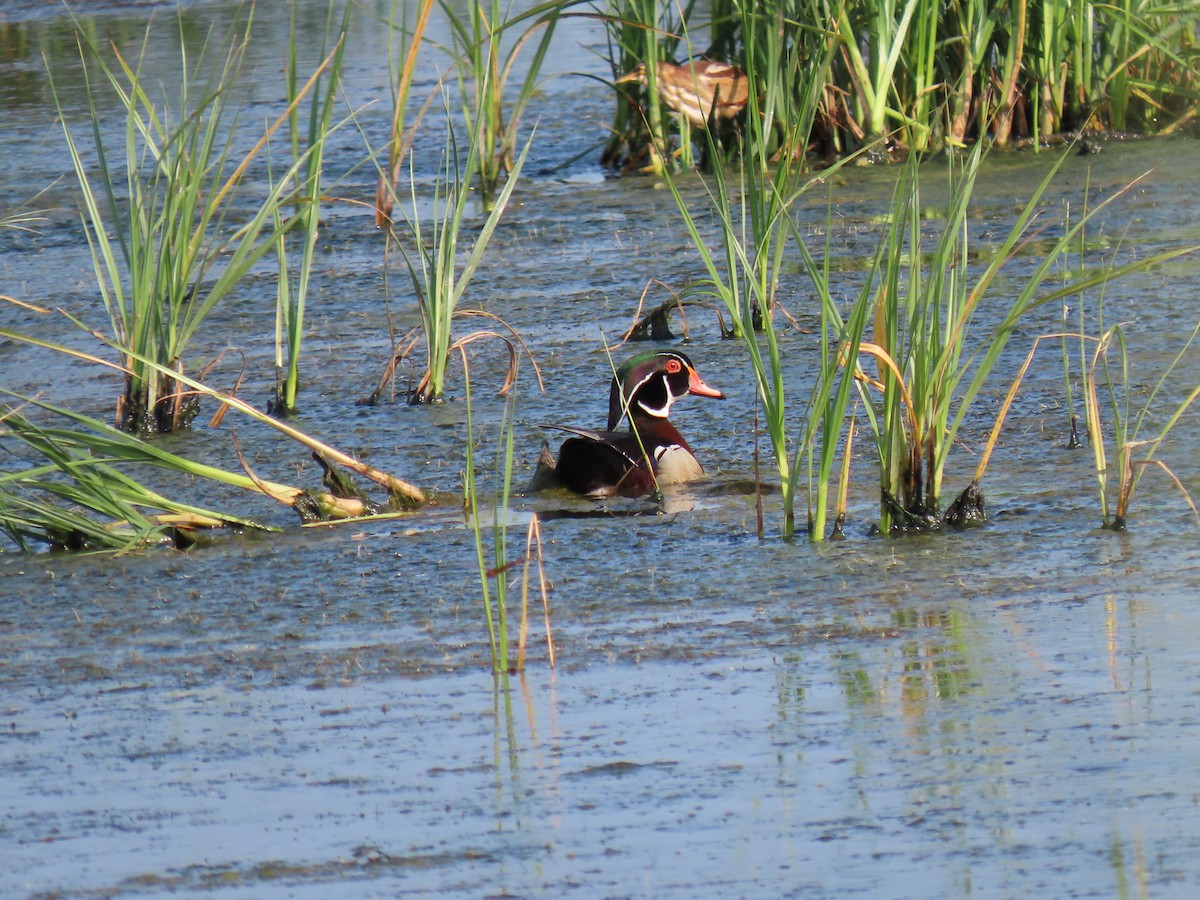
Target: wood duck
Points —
{"points": [[652, 453]]}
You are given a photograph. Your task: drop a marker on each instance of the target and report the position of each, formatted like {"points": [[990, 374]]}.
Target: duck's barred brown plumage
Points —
{"points": [[699, 89]]}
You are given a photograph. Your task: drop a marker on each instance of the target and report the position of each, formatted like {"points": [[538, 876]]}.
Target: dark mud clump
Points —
{"points": [[967, 509]]}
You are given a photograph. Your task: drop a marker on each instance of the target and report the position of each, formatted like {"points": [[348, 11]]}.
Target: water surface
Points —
{"points": [[1008, 711]]}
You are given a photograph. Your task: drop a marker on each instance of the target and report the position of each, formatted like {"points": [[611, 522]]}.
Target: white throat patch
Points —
{"points": [[663, 413]]}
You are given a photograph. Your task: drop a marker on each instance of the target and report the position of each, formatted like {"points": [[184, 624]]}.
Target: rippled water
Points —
{"points": [[1008, 711]]}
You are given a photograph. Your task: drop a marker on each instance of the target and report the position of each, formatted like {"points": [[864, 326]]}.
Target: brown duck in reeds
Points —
{"points": [[700, 89], [652, 453]]}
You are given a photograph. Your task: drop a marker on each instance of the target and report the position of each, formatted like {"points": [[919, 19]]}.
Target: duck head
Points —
{"points": [[650, 382]]}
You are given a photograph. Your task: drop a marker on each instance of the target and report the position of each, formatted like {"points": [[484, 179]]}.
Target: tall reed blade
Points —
{"points": [[495, 603], [407, 50], [308, 159]]}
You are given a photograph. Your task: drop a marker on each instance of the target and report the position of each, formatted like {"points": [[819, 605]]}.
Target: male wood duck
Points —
{"points": [[652, 453]]}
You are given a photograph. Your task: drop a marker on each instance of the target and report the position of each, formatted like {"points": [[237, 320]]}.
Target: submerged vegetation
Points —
{"points": [[179, 215]]}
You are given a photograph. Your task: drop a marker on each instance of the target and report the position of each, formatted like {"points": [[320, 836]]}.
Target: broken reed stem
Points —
{"points": [[331, 507], [533, 550]]}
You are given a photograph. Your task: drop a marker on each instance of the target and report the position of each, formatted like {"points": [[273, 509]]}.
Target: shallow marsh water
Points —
{"points": [[1008, 711]]}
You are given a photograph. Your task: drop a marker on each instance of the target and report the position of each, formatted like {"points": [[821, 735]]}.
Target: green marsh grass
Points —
{"points": [[1135, 441], [922, 74], [163, 253], [494, 572], [829, 421], [887, 29], [929, 367], [431, 255], [82, 498], [308, 159], [755, 223], [777, 109], [742, 281], [483, 68]]}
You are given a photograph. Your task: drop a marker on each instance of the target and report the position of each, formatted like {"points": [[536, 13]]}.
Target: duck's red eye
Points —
{"points": [[673, 366]]}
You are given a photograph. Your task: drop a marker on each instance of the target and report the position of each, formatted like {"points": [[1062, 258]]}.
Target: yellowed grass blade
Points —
{"points": [[29, 306], [884, 357], [385, 191], [844, 477], [994, 437], [533, 550], [1179, 484]]}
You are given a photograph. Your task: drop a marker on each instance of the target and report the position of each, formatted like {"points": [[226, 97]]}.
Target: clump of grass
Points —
{"points": [[80, 490], [483, 69], [1133, 452], [742, 281], [929, 366], [1105, 385], [431, 255], [927, 371], [919, 74], [162, 251]]}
